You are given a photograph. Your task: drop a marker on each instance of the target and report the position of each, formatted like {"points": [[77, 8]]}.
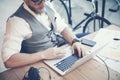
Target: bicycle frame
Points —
{"points": [[92, 16]]}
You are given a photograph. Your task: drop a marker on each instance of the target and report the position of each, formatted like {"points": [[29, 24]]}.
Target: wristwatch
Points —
{"points": [[75, 40]]}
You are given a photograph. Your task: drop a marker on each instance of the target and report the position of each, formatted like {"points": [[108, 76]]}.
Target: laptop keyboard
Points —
{"points": [[67, 62]]}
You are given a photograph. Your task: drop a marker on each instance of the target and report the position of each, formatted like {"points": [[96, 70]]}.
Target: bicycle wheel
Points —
{"points": [[94, 24], [61, 8]]}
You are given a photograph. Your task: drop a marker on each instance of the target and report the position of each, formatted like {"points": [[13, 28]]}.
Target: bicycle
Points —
{"points": [[93, 17]]}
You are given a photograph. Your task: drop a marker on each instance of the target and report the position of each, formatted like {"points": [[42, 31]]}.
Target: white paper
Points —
{"points": [[111, 51]]}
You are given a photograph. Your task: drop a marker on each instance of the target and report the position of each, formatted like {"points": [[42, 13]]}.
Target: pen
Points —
{"points": [[116, 39]]}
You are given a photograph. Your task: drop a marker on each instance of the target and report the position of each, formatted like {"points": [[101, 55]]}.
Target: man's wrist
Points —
{"points": [[74, 41]]}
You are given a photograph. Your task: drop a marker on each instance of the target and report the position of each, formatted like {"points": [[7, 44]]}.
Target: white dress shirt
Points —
{"points": [[17, 30]]}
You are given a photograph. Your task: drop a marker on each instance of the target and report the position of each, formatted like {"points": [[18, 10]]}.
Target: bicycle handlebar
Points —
{"points": [[114, 10], [118, 7], [89, 0]]}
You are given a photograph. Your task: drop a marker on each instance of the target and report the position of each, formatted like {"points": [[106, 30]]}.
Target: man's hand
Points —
{"points": [[53, 53], [77, 46]]}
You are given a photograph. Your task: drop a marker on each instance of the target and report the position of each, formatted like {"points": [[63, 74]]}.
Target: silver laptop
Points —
{"points": [[70, 62]]}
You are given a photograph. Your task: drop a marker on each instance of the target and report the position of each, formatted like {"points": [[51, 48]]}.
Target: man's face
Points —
{"points": [[37, 7]]}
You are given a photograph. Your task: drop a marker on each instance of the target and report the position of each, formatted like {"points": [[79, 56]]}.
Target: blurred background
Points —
{"points": [[79, 7]]}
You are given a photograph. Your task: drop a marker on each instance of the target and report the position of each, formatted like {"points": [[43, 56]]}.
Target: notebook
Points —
{"points": [[70, 62]]}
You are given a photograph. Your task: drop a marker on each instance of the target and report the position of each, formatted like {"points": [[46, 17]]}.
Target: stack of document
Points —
{"points": [[111, 51], [112, 39]]}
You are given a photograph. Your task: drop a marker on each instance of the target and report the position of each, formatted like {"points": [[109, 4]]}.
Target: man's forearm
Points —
{"points": [[21, 59], [68, 35]]}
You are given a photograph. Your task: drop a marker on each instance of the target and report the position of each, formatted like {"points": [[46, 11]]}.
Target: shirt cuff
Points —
{"points": [[7, 54]]}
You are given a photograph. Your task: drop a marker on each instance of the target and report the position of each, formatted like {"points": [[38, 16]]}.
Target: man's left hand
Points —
{"points": [[77, 46]]}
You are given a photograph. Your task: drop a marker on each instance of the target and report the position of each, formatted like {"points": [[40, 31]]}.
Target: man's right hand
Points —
{"points": [[53, 53]]}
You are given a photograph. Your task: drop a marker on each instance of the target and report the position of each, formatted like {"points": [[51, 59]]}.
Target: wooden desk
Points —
{"points": [[91, 70]]}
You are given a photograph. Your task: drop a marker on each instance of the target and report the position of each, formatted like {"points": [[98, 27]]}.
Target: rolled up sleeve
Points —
{"points": [[60, 23], [16, 31]]}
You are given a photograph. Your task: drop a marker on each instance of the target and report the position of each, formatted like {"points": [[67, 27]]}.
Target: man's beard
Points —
{"points": [[36, 11]]}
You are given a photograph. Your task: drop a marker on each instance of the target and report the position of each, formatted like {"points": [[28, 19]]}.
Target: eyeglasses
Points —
{"points": [[38, 1]]}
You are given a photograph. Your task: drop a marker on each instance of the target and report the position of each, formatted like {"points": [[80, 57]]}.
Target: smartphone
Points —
{"points": [[88, 42]]}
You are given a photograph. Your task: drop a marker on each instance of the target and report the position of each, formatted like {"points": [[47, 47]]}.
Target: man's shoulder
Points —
{"points": [[18, 25], [49, 5], [16, 19]]}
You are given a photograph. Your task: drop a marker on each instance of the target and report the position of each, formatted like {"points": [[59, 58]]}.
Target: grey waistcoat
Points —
{"points": [[39, 40]]}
